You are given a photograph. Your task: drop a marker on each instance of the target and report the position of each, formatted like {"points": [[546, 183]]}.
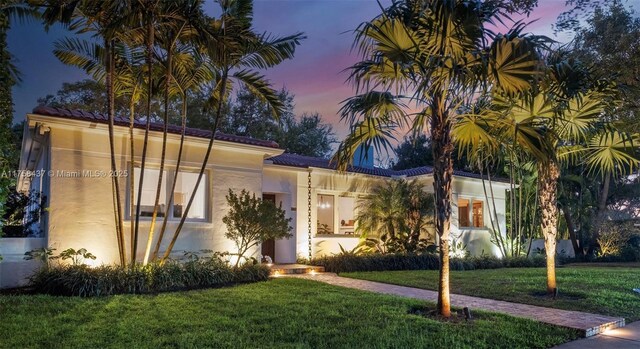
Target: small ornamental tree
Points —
{"points": [[251, 221]]}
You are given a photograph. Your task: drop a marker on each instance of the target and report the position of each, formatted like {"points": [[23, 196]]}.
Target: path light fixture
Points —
{"points": [[467, 314]]}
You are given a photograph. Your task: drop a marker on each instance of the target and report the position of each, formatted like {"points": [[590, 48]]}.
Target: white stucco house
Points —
{"points": [[64, 150]]}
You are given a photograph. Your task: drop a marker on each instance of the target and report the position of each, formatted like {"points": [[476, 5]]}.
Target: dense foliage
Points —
{"points": [[416, 151], [22, 213], [10, 10], [305, 134], [399, 214], [426, 261], [83, 281]]}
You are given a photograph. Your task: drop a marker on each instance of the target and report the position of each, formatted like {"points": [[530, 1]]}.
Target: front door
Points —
{"points": [[269, 246]]}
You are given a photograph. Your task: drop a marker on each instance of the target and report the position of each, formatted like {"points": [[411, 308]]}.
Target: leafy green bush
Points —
{"points": [[427, 261], [83, 281]]}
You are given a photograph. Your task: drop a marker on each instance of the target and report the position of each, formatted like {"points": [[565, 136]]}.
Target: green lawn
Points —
{"points": [[282, 313], [601, 290]]}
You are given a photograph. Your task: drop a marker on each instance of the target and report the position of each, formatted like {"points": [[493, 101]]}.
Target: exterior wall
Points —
{"points": [[293, 182], [80, 211], [80, 207], [326, 182], [564, 248], [284, 184], [478, 240]]}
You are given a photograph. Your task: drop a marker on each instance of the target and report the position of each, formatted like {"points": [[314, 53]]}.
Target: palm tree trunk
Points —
{"points": [[159, 188], [175, 180], [548, 174], [205, 161], [131, 165], [149, 58], [115, 183], [442, 177]]}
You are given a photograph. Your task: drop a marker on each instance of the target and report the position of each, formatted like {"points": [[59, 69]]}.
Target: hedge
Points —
{"points": [[83, 281], [428, 261]]}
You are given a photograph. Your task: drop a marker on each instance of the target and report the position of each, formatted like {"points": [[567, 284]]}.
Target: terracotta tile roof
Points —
{"points": [[122, 121], [295, 160]]}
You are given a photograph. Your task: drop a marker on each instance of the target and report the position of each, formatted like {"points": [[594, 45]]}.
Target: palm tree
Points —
{"points": [[234, 50], [128, 78], [105, 21], [144, 17], [397, 212], [559, 121], [180, 28], [191, 73], [440, 53]]}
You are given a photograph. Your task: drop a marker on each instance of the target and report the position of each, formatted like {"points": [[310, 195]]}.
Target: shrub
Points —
{"points": [[251, 221], [427, 261], [83, 281], [612, 238]]}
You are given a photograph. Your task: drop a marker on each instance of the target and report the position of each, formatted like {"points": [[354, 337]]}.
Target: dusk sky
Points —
{"points": [[315, 76]]}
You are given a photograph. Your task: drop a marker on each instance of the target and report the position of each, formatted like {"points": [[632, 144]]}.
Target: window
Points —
{"points": [[463, 213], [477, 214], [346, 215], [325, 214], [149, 187], [185, 184]]}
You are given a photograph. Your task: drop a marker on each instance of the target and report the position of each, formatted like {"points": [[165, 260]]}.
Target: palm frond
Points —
{"points": [[259, 86], [84, 54], [266, 52], [612, 152]]}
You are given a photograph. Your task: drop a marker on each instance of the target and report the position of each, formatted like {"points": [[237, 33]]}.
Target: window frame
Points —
{"points": [[470, 223], [170, 172], [336, 214], [473, 214]]}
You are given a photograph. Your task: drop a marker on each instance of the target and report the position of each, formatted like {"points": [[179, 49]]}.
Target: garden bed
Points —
{"points": [[426, 261], [84, 281]]}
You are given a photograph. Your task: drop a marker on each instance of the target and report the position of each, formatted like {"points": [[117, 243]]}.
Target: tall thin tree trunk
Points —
{"points": [[495, 227], [442, 177], [534, 225], [175, 180], [149, 62], [131, 166], [115, 183], [159, 188], [205, 161], [495, 213], [548, 174], [518, 240], [572, 230], [512, 203], [604, 194]]}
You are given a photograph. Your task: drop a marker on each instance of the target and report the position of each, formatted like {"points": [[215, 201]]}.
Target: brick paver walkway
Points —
{"points": [[627, 337], [588, 324]]}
